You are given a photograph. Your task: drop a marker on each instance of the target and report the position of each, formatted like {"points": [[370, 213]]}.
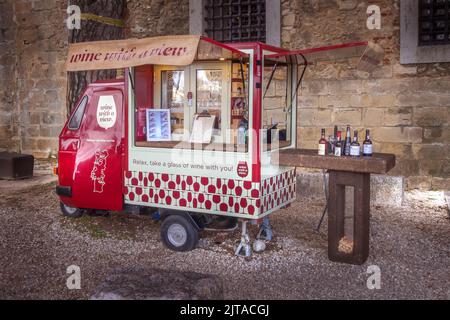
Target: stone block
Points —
{"points": [[347, 5], [378, 101], [275, 116], [305, 101], [308, 134], [430, 117], [436, 134], [441, 184], [418, 182], [398, 116], [47, 144], [398, 134], [351, 116], [385, 190], [5, 118], [340, 101], [157, 284], [280, 88], [423, 99], [314, 87], [373, 117], [436, 151], [406, 168], [345, 87], [274, 103], [383, 72], [288, 20], [404, 70], [433, 167], [401, 150], [314, 117]]}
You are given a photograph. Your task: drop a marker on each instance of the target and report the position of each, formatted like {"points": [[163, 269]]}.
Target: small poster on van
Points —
{"points": [[158, 124], [106, 112]]}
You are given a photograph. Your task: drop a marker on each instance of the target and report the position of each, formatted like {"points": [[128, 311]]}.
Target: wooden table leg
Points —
{"points": [[336, 216]]}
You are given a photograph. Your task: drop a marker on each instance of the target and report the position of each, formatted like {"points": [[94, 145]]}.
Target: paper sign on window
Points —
{"points": [[202, 129], [106, 112]]}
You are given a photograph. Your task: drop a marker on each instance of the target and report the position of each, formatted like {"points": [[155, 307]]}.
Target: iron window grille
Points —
{"points": [[236, 20], [434, 22]]}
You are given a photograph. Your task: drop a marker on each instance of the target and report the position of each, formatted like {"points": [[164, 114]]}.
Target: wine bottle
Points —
{"points": [[367, 145], [338, 146], [348, 141], [322, 144], [355, 150]]}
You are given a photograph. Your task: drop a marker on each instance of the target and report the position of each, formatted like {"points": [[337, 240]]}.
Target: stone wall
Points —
{"points": [[33, 82], [34, 103], [148, 18], [7, 73], [405, 106]]}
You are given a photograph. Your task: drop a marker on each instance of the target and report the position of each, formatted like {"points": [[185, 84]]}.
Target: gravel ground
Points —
{"points": [[411, 245]]}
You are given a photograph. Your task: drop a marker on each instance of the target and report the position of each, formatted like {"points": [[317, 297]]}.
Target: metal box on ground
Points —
{"points": [[15, 166]]}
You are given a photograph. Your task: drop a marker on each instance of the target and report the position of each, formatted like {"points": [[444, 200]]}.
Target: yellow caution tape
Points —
{"points": [[104, 20]]}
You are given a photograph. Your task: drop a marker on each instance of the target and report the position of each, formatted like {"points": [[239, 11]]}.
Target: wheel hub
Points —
{"points": [[177, 235]]}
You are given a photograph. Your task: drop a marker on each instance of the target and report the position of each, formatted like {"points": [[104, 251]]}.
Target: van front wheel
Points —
{"points": [[71, 212]]}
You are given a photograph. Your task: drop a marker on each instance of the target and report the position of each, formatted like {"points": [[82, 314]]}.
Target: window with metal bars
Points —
{"points": [[236, 20], [434, 22]]}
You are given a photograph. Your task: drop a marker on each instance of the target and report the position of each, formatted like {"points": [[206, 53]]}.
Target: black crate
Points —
{"points": [[15, 166]]}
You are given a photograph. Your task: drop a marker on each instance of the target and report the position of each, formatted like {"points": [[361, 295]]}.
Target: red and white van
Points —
{"points": [[191, 130]]}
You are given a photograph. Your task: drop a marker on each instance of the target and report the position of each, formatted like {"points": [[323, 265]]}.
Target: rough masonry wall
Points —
{"points": [[405, 106], [7, 74], [149, 18], [34, 103], [33, 82]]}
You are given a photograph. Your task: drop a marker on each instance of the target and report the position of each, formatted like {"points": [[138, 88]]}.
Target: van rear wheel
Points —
{"points": [[179, 234], [71, 212]]}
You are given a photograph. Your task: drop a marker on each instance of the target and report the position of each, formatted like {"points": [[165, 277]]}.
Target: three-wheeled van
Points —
{"points": [[190, 130]]}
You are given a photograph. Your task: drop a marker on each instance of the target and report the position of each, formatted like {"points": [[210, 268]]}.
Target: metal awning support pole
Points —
{"points": [[243, 86], [305, 62], [270, 78]]}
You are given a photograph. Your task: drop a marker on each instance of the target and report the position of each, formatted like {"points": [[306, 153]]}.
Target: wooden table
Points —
{"points": [[344, 171]]}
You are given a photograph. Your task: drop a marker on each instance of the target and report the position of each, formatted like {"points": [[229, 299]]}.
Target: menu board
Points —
{"points": [[158, 125], [202, 129]]}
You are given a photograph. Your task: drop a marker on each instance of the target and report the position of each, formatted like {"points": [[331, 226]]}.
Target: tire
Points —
{"points": [[179, 234], [71, 212]]}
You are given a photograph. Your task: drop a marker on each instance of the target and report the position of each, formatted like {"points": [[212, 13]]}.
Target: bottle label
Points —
{"points": [[338, 151], [367, 149], [354, 151], [321, 149]]}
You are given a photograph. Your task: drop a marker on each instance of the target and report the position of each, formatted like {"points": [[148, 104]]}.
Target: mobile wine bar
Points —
{"points": [[192, 130]]}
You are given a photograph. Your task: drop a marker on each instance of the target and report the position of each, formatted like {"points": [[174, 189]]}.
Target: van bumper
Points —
{"points": [[64, 191]]}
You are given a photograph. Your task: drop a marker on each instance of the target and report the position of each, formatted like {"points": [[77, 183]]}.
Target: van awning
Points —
{"points": [[166, 50], [371, 55]]}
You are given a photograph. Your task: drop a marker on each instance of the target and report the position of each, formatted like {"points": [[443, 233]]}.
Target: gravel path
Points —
{"points": [[411, 245]]}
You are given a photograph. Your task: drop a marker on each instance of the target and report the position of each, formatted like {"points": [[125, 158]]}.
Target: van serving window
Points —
{"points": [[75, 121]]}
